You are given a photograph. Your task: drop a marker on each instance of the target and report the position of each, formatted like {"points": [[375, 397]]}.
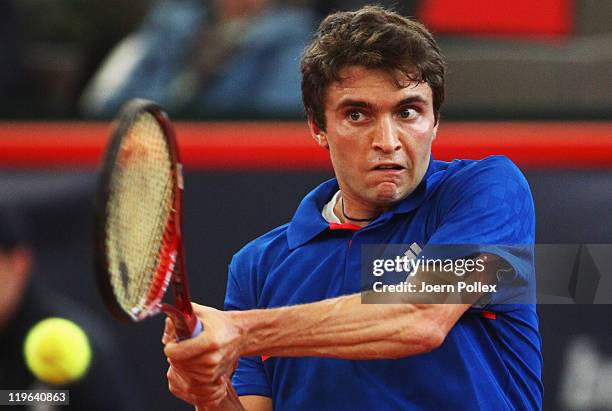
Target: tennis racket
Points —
{"points": [[139, 247]]}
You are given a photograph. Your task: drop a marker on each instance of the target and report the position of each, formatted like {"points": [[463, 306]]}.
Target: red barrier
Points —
{"points": [[516, 18], [288, 146]]}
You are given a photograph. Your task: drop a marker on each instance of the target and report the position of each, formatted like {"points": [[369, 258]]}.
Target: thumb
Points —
{"points": [[169, 332]]}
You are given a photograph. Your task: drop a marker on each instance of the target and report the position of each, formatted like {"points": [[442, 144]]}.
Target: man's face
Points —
{"points": [[379, 136]]}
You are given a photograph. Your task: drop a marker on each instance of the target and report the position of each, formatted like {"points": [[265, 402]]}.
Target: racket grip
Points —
{"points": [[199, 327], [186, 325]]}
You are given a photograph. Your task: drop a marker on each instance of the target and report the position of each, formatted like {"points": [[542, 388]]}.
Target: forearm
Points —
{"points": [[343, 327]]}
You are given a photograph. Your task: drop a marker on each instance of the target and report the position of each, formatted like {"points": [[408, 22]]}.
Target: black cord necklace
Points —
{"points": [[360, 220]]}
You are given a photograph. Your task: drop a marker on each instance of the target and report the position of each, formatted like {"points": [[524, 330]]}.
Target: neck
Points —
{"points": [[349, 215]]}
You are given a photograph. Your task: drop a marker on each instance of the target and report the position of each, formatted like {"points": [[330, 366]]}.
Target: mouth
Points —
{"points": [[389, 167]]}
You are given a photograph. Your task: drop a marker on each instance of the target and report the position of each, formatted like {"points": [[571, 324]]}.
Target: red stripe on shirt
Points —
{"points": [[344, 226], [489, 315]]}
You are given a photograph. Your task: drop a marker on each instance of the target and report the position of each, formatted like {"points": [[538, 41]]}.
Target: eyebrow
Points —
{"points": [[365, 104], [353, 103], [411, 100]]}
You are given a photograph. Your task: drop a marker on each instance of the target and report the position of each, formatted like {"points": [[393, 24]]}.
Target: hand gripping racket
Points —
{"points": [[139, 247]]}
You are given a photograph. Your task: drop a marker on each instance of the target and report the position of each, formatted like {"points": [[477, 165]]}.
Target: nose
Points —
{"points": [[386, 138]]}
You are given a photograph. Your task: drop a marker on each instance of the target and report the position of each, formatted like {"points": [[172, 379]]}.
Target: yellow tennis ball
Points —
{"points": [[57, 351]]}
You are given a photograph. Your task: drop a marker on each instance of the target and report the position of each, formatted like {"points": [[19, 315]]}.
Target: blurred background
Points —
{"points": [[531, 80]]}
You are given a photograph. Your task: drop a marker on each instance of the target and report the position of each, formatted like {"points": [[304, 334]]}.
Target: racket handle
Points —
{"points": [[186, 325], [199, 327]]}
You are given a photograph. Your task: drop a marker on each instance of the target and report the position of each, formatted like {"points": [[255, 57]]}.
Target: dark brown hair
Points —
{"points": [[372, 37]]}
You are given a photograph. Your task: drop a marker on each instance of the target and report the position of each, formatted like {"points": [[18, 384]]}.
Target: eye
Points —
{"points": [[355, 115], [408, 113]]}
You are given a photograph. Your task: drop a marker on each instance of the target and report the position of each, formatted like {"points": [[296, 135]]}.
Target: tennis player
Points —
{"points": [[295, 334]]}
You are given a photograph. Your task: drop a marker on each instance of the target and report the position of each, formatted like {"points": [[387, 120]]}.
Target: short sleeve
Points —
{"points": [[487, 207], [487, 202], [249, 378]]}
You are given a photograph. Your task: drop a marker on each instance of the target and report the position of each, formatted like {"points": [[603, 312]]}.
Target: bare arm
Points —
{"points": [[343, 327], [256, 403], [245, 403], [340, 327]]}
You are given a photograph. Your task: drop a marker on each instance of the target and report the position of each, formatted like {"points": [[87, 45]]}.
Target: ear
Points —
{"points": [[435, 131], [317, 133]]}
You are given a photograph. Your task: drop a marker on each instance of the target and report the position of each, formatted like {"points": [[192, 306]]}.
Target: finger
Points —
{"points": [[183, 351], [206, 391], [194, 371], [199, 309], [213, 396], [226, 391], [175, 377], [178, 386], [194, 391], [211, 402], [190, 348], [221, 370], [181, 395], [169, 332], [205, 374], [209, 366]]}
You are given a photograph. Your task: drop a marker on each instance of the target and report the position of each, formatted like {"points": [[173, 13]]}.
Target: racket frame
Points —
{"points": [[181, 311]]}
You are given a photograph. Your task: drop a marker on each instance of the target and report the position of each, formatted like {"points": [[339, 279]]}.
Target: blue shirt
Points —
{"points": [[488, 362]]}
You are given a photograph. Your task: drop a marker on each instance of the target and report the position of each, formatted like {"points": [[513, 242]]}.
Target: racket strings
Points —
{"points": [[137, 292], [166, 255], [138, 212], [155, 244]]}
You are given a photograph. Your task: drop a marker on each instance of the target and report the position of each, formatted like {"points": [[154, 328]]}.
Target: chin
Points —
{"points": [[387, 198], [389, 193]]}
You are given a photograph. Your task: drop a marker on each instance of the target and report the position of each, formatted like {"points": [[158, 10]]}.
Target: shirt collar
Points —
{"points": [[308, 222]]}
